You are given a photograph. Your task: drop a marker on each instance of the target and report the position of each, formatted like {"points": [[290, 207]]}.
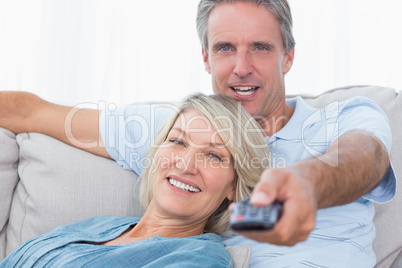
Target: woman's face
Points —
{"points": [[194, 171]]}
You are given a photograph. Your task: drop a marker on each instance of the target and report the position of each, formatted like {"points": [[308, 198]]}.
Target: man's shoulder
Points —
{"points": [[301, 103], [303, 108]]}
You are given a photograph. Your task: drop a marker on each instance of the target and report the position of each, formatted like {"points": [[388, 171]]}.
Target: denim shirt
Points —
{"points": [[64, 247]]}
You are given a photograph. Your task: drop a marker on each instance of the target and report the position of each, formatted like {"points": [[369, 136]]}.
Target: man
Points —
{"points": [[334, 161]]}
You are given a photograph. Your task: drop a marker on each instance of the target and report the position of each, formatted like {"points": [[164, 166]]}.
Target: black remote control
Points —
{"points": [[246, 217]]}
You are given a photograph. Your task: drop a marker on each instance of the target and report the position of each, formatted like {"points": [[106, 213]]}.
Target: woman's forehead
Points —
{"points": [[193, 119], [195, 124]]}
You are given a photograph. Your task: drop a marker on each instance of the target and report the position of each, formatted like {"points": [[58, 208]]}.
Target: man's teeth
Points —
{"points": [[183, 186], [244, 90]]}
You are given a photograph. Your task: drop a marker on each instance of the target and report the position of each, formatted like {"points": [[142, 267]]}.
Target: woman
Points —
{"points": [[203, 159]]}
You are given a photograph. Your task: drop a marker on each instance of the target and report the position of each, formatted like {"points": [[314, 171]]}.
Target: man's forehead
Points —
{"points": [[242, 20], [242, 7]]}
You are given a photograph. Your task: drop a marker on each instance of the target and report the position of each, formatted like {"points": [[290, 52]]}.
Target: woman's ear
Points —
{"points": [[230, 196]]}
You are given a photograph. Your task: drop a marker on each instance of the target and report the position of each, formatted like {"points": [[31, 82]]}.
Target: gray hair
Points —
{"points": [[245, 142], [280, 9]]}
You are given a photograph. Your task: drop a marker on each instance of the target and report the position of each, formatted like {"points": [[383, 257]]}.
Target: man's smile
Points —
{"points": [[244, 90]]}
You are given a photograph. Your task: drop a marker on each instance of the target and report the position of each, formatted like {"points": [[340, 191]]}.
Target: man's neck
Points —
{"points": [[275, 123]]}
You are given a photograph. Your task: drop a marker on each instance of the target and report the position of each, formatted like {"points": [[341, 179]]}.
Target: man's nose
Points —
{"points": [[243, 66]]}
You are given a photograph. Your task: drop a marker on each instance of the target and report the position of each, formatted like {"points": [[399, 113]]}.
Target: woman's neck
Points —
{"points": [[153, 224]]}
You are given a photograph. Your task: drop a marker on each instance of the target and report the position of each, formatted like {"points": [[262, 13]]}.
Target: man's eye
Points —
{"points": [[225, 48], [261, 48], [214, 156]]}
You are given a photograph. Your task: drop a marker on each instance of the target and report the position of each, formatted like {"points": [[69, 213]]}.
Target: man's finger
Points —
{"points": [[265, 192]]}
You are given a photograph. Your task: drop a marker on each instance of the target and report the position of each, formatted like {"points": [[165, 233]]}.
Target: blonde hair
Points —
{"points": [[243, 138]]}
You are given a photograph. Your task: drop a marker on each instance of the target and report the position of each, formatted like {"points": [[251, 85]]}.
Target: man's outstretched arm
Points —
{"points": [[26, 112], [351, 167]]}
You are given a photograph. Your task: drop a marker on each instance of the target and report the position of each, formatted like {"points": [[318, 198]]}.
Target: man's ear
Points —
{"points": [[206, 61], [288, 61]]}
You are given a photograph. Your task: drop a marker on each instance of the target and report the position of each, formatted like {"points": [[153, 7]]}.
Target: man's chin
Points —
{"points": [[249, 107]]}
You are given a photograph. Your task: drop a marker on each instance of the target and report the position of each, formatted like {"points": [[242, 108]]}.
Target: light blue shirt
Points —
{"points": [[343, 235], [59, 248]]}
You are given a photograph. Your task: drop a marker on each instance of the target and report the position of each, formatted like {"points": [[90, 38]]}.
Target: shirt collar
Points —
{"points": [[295, 124]]}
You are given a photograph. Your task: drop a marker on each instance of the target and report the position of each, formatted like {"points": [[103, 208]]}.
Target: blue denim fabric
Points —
{"points": [[58, 248]]}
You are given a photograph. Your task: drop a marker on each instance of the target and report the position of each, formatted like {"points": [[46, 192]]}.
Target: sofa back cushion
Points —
{"points": [[60, 185], [8, 181]]}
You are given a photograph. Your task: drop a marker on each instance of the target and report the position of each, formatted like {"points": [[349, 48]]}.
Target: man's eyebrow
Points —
{"points": [[269, 46], [218, 45]]}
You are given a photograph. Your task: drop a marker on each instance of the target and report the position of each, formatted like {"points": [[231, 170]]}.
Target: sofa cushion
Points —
{"points": [[8, 181], [388, 218], [398, 261], [240, 255], [60, 185]]}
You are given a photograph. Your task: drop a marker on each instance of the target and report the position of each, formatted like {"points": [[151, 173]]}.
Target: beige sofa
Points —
{"points": [[45, 183]]}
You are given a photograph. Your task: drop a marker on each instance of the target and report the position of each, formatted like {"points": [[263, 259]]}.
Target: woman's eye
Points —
{"points": [[176, 141], [214, 156]]}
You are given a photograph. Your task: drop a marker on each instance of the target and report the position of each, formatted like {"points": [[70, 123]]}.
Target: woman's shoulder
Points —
{"points": [[99, 224], [206, 250]]}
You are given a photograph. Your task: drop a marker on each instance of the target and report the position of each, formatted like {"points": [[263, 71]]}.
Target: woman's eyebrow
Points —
{"points": [[216, 144], [178, 129], [210, 144]]}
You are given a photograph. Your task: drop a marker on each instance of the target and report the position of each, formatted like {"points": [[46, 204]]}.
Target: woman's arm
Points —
{"points": [[26, 112]]}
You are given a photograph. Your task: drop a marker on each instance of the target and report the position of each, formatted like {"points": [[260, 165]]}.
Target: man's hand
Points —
{"points": [[299, 206], [351, 167]]}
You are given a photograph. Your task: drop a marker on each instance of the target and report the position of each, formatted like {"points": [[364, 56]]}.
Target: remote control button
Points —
{"points": [[242, 209], [267, 211], [239, 217], [254, 210]]}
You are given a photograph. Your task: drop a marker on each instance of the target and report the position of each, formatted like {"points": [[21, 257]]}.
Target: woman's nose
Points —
{"points": [[187, 163]]}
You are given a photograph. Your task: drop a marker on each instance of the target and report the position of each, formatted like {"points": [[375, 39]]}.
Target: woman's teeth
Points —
{"points": [[183, 186]]}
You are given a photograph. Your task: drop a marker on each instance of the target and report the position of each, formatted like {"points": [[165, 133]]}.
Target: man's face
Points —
{"points": [[246, 58]]}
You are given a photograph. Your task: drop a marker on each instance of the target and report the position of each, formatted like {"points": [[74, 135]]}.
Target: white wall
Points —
{"points": [[346, 42], [123, 51]]}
